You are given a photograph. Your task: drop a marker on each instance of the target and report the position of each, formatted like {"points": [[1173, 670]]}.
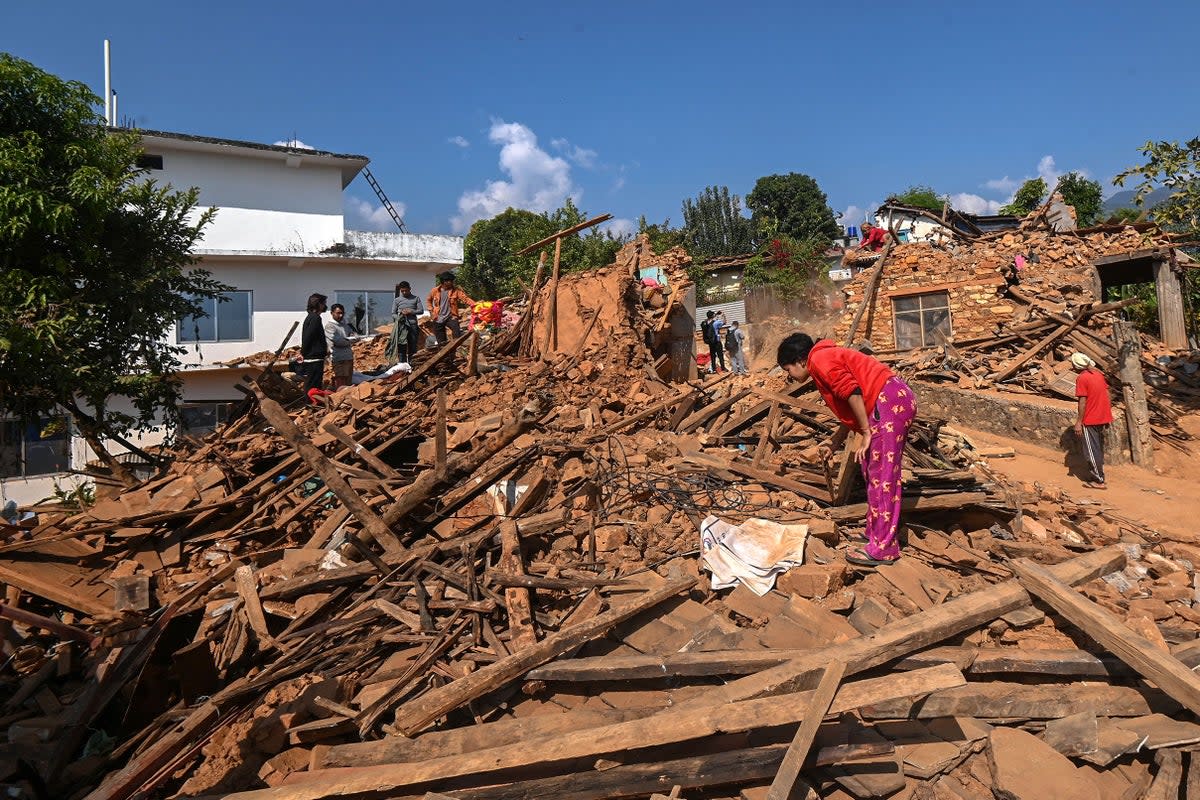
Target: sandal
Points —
{"points": [[856, 538], [862, 558], [1095, 485]]}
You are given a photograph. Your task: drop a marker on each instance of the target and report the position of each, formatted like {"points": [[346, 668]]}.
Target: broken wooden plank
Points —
{"points": [[912, 633], [415, 715], [797, 752], [934, 502], [247, 587], [517, 599], [665, 728], [1162, 669], [373, 525]]}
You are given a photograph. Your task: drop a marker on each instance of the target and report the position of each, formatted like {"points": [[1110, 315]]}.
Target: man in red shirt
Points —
{"points": [[873, 238], [1095, 414]]}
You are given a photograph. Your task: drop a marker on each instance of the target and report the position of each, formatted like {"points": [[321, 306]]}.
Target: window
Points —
{"points": [[147, 161], [366, 309], [226, 321], [38, 448], [922, 320], [197, 419]]}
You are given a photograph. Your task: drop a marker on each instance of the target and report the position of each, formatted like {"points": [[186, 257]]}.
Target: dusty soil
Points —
{"points": [[1164, 498]]}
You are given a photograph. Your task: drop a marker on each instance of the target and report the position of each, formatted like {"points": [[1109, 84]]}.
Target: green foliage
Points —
{"points": [[662, 236], [491, 269], [1177, 168], [793, 206], [922, 197], [80, 498], [95, 262], [713, 225], [797, 267], [1027, 198], [1084, 195], [1126, 214]]}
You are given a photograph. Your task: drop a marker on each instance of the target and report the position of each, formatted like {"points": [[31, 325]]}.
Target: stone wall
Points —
{"points": [[1042, 421]]}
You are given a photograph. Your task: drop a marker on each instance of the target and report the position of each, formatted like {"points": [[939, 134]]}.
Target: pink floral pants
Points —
{"points": [[895, 409]]}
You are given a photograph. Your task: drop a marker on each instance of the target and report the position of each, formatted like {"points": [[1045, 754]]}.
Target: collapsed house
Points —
{"points": [[486, 579]]}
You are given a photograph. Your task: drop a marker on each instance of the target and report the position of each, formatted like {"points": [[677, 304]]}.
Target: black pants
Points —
{"points": [[716, 356], [314, 374], [414, 338], [439, 330], [1093, 449]]}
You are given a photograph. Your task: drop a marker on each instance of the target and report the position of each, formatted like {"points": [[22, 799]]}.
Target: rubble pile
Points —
{"points": [[484, 579]]}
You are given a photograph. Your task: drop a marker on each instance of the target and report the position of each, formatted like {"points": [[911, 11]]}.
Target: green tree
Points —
{"points": [[797, 267], [922, 197], [1126, 214], [1027, 198], [490, 269], [662, 236], [713, 225], [95, 265], [1176, 167], [791, 205], [1084, 195]]}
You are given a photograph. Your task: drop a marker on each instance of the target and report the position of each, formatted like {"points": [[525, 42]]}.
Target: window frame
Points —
{"points": [[919, 315], [363, 295], [220, 412], [216, 318], [23, 472]]}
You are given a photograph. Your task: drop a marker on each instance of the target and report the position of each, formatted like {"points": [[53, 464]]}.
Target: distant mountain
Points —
{"points": [[1124, 199]]}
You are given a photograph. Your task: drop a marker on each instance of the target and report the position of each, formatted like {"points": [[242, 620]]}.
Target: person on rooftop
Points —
{"points": [[869, 398], [874, 238]]}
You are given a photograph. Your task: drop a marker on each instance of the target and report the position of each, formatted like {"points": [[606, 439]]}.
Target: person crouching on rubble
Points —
{"points": [[1095, 415], [869, 398]]}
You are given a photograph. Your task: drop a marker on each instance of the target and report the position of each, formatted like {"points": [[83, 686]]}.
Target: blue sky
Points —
{"points": [[466, 108]]}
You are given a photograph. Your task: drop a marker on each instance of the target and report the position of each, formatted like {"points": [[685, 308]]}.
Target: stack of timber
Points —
{"points": [[482, 580]]}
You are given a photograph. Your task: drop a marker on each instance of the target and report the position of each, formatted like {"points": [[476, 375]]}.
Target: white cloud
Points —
{"points": [[620, 227], [459, 141], [372, 217], [974, 204], [537, 181], [618, 184], [1005, 184], [296, 143], [1047, 171], [580, 156], [854, 216]]}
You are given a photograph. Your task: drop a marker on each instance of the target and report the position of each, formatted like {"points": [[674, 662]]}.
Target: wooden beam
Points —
{"points": [[357, 449], [373, 525], [1172, 325], [566, 232], [247, 588], [797, 752], [911, 633], [661, 729], [415, 715], [869, 293], [1011, 368], [933, 502], [439, 434], [1133, 392], [1161, 668], [520, 606], [763, 448]]}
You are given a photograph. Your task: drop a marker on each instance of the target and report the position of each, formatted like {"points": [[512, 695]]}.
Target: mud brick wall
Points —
{"points": [[974, 275]]}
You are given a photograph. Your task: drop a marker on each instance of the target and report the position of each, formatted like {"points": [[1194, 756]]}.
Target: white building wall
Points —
{"points": [[280, 293], [291, 205]]}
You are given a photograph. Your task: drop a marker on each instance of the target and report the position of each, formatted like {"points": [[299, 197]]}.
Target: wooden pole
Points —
{"points": [[1133, 393], [1171, 318], [373, 526], [789, 770], [439, 433], [869, 295]]}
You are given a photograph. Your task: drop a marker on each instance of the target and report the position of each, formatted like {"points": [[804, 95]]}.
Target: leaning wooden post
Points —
{"points": [[1133, 393]]}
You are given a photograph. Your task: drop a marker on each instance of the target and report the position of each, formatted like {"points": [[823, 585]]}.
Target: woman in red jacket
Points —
{"points": [[869, 398]]}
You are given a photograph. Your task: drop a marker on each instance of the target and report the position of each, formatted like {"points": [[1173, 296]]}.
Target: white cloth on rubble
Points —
{"points": [[752, 553], [362, 377]]}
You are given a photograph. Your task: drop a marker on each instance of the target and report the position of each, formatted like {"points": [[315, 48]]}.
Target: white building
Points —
{"points": [[278, 236]]}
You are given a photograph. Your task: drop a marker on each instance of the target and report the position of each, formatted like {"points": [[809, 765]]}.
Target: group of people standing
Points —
{"points": [[333, 339], [723, 337]]}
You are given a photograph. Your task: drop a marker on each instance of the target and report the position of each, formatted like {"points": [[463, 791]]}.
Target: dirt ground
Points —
{"points": [[1164, 498]]}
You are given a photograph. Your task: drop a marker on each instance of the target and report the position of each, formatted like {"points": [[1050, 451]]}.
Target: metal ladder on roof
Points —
{"points": [[383, 198]]}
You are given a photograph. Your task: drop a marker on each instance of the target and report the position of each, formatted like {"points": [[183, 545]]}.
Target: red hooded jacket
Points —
{"points": [[838, 371]]}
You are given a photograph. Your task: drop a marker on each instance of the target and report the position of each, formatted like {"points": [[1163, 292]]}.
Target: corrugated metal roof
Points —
{"points": [[734, 312]]}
